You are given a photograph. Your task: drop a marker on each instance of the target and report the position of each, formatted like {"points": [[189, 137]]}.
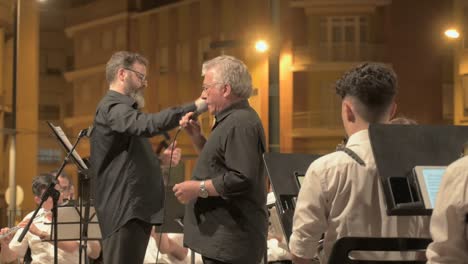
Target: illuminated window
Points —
{"points": [[343, 38]]}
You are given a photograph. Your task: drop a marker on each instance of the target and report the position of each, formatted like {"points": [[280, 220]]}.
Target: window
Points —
{"points": [[343, 38], [46, 155]]}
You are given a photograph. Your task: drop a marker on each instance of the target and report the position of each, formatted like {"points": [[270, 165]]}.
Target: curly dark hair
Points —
{"points": [[374, 85]]}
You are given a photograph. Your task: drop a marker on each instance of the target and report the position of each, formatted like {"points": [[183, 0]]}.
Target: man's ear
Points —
{"points": [[227, 90], [121, 74], [348, 111]]}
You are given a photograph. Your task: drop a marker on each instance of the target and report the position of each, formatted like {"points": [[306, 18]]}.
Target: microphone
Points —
{"points": [[87, 132], [195, 115], [201, 108]]}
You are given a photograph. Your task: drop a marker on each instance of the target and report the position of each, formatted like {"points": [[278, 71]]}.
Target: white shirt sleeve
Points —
{"points": [[310, 216], [448, 222], [20, 248]]}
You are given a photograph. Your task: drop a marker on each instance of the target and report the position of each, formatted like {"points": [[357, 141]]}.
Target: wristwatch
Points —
{"points": [[203, 193]]}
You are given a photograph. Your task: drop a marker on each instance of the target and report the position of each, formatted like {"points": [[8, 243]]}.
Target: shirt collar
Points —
{"points": [[358, 137], [124, 98], [228, 110]]}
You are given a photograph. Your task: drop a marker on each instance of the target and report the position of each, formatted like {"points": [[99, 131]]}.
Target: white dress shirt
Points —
{"points": [[42, 252], [448, 223], [341, 198], [152, 251]]}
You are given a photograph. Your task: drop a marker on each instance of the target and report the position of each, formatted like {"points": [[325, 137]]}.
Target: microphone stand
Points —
{"points": [[55, 194]]}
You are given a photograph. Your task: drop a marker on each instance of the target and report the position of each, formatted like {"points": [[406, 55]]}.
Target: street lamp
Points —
{"points": [[452, 33], [261, 46]]}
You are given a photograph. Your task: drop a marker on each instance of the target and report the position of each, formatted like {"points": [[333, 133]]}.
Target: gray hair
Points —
{"points": [[41, 182], [229, 70], [122, 59]]}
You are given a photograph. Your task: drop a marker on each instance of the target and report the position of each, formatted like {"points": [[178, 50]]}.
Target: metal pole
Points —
{"points": [[12, 181], [274, 79], [12, 153]]}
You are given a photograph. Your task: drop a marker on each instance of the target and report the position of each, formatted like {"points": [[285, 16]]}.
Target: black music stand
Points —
{"points": [[399, 148], [83, 172], [70, 221], [173, 213], [51, 191], [282, 170]]}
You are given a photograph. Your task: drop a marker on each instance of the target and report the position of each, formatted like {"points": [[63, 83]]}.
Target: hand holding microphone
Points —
{"points": [[189, 121], [190, 124]]}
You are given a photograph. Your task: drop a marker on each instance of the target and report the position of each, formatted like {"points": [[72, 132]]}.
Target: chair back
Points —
{"points": [[340, 253]]}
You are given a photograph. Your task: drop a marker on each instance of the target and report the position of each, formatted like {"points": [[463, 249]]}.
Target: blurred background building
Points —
{"points": [[63, 45]]}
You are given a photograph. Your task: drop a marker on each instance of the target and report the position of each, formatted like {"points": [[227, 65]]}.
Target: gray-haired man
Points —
{"points": [[225, 218]]}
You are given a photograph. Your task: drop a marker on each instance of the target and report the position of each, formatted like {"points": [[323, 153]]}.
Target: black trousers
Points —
{"points": [[128, 244]]}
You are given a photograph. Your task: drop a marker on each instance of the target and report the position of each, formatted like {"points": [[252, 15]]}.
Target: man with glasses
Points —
{"points": [[66, 186], [129, 189], [38, 236], [226, 218]]}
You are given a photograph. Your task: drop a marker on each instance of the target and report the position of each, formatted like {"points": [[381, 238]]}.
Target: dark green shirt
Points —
{"points": [[127, 177], [233, 227]]}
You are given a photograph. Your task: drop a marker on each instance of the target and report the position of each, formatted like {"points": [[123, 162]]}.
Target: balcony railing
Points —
{"points": [[322, 119], [338, 52]]}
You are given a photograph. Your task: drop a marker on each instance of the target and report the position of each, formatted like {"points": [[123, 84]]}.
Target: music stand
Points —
{"points": [[69, 223], [51, 191], [67, 146], [83, 172], [173, 213], [399, 148], [282, 170]]}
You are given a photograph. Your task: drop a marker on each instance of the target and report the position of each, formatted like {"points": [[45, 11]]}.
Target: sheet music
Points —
{"points": [[68, 224], [68, 146]]}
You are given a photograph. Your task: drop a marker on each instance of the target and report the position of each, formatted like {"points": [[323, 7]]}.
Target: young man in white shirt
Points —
{"points": [[449, 222], [341, 194]]}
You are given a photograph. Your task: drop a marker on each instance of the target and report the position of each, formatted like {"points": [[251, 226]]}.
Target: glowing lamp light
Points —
{"points": [[452, 33], [261, 46]]}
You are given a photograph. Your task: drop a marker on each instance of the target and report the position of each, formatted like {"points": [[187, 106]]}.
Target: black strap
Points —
{"points": [[27, 257], [353, 155]]}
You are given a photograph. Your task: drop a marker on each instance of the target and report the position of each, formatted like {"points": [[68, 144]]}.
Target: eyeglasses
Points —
{"points": [[205, 87], [64, 189], [140, 75]]}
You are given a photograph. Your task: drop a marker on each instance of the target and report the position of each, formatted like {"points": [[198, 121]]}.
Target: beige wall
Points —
{"points": [[54, 90], [460, 65], [175, 38], [27, 99]]}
